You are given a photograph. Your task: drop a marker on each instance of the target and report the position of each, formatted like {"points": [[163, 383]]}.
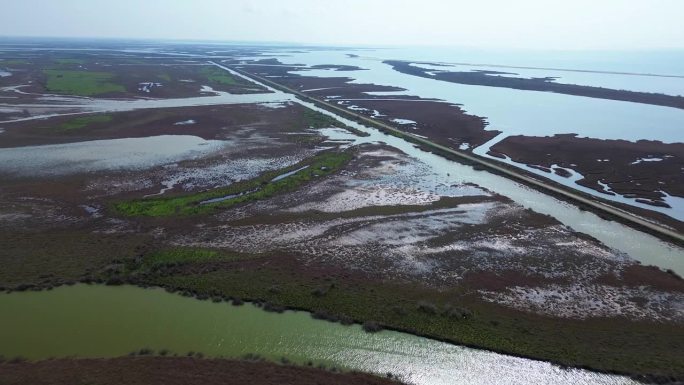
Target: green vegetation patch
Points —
{"points": [[262, 187], [84, 83], [82, 122], [218, 76]]}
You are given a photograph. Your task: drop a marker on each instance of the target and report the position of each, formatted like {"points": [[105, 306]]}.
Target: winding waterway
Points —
{"points": [[106, 321]]}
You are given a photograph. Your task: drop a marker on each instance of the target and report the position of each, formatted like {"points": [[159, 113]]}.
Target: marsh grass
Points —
{"points": [[82, 122], [314, 119], [178, 256]]}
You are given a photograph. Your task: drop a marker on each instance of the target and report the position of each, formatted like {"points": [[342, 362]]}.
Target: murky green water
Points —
{"points": [[102, 321]]}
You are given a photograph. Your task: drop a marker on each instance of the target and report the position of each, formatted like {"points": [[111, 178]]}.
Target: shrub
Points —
{"points": [[275, 289], [427, 307], [457, 312], [23, 287], [399, 310], [114, 281], [673, 273], [323, 315], [252, 357], [319, 292], [371, 327], [145, 352], [273, 308]]}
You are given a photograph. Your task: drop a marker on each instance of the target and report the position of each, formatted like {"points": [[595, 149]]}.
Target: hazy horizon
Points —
{"points": [[582, 25]]}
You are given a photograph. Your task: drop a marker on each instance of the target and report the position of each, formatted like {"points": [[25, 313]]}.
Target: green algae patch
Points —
{"points": [[264, 186]]}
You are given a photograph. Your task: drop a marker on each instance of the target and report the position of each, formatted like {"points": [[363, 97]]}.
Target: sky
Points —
{"points": [[531, 24]]}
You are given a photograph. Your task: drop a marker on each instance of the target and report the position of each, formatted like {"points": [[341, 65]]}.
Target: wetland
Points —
{"points": [[215, 214]]}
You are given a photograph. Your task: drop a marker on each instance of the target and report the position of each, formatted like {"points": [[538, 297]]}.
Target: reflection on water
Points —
{"points": [[101, 321], [97, 155]]}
